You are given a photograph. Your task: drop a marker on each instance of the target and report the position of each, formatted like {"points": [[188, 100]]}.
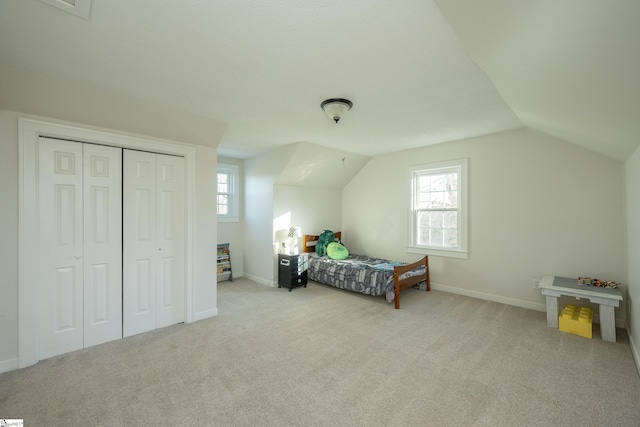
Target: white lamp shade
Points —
{"points": [[295, 232]]}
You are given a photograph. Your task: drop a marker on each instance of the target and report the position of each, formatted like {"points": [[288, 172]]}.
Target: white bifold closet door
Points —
{"points": [[80, 245], [154, 233]]}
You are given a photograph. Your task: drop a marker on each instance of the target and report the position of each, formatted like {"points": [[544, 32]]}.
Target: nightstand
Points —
{"points": [[292, 271]]}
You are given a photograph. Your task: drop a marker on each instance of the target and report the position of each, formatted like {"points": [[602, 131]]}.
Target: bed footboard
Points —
{"points": [[410, 280]]}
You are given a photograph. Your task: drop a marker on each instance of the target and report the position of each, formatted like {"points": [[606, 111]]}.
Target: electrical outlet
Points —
{"points": [[535, 283]]}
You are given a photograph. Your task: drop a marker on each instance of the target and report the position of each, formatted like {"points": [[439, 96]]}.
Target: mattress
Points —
{"points": [[357, 273]]}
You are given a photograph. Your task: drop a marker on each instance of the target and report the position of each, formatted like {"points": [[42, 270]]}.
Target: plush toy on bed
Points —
{"points": [[337, 250], [324, 239], [328, 245]]}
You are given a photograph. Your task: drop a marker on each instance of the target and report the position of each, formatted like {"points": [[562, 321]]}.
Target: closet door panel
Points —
{"points": [[139, 242], [143, 291], [171, 235], [60, 301], [102, 244]]}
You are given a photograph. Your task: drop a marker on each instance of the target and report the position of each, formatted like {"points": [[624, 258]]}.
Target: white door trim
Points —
{"points": [[29, 130]]}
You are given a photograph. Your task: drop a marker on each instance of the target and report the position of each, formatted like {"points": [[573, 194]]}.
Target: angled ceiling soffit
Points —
{"points": [[313, 165]]}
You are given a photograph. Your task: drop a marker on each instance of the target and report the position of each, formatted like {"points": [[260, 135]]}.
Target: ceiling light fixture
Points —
{"points": [[336, 107]]}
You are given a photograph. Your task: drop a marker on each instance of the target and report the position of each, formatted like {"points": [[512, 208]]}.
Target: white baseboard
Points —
{"points": [[262, 281], [201, 315], [490, 297], [9, 365], [634, 349], [620, 323]]}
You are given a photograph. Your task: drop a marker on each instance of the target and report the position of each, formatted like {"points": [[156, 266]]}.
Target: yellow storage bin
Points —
{"points": [[576, 320]]}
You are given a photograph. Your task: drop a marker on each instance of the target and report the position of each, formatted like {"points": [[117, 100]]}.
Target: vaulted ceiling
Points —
{"points": [[419, 72]]}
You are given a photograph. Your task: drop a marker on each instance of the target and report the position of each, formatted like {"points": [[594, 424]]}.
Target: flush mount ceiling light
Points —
{"points": [[336, 107]]}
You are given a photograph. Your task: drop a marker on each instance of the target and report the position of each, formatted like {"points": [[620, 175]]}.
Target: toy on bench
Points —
{"points": [[596, 282]]}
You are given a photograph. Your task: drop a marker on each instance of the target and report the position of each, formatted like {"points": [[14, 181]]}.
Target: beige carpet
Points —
{"points": [[318, 356]]}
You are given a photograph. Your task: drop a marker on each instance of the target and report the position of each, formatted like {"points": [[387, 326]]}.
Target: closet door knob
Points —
{"points": [[77, 257]]}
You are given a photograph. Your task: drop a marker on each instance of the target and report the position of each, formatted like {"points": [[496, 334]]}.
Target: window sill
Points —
{"points": [[228, 219], [438, 252]]}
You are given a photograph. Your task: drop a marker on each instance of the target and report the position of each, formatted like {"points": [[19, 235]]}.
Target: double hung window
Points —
{"points": [[228, 193], [438, 223]]}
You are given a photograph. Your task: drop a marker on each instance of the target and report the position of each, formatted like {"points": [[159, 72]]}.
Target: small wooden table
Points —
{"points": [[553, 287]]}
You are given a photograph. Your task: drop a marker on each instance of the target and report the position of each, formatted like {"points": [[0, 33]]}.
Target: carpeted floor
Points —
{"points": [[318, 356]]}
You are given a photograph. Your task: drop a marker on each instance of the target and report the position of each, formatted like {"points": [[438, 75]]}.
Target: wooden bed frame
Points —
{"points": [[309, 243]]}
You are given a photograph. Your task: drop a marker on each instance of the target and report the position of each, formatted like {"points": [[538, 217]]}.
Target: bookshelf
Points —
{"points": [[223, 263]]}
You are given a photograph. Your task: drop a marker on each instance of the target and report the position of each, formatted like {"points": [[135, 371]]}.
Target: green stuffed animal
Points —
{"points": [[324, 239], [337, 250]]}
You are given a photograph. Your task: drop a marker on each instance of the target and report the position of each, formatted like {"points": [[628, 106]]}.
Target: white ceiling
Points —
{"points": [[416, 77], [568, 68]]}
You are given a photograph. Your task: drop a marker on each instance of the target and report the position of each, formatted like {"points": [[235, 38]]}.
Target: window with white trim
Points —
{"points": [[227, 200], [438, 209]]}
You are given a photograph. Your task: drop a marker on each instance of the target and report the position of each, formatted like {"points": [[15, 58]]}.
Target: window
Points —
{"points": [[228, 193], [438, 223]]}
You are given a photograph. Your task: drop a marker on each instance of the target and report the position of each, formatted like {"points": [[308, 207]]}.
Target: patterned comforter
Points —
{"points": [[358, 273]]}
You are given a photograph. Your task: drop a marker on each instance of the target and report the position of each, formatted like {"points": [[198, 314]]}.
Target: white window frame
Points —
{"points": [[234, 192], [459, 166]]}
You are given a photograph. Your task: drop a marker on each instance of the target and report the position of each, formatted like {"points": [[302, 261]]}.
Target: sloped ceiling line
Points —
{"points": [[419, 72]]}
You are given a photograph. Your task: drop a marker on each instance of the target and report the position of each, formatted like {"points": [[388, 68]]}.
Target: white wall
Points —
{"points": [[297, 185], [537, 205], [310, 208], [632, 168], [8, 240], [233, 232], [205, 288], [260, 252]]}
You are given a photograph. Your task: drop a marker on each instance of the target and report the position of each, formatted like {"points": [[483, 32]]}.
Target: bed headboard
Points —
{"points": [[309, 241]]}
